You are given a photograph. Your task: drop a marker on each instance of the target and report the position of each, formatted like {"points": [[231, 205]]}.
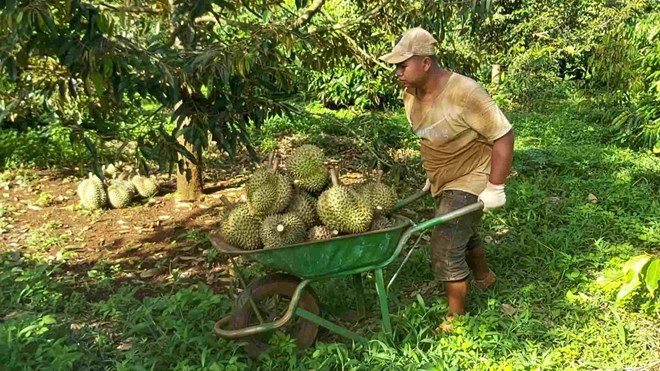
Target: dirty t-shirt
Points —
{"points": [[456, 134]]}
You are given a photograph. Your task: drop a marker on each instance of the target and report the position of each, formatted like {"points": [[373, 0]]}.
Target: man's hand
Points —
{"points": [[493, 196], [427, 185]]}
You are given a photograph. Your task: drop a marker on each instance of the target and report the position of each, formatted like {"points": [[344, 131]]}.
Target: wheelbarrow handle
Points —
{"points": [[447, 217], [427, 225], [410, 199]]}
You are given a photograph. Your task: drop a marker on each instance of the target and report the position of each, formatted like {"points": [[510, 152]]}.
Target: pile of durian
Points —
{"points": [[307, 202], [118, 192]]}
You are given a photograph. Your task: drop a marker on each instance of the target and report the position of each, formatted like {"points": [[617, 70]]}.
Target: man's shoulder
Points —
{"points": [[464, 84]]}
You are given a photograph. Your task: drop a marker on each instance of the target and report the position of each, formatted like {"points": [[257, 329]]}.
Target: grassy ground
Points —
{"points": [[577, 210]]}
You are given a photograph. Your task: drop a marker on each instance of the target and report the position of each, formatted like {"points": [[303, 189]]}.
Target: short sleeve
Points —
{"points": [[481, 113]]}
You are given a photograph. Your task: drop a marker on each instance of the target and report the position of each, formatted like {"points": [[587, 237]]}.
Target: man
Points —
{"points": [[466, 145]]}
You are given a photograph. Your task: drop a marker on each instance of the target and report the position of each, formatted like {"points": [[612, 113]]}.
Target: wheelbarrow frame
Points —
{"points": [[406, 229]]}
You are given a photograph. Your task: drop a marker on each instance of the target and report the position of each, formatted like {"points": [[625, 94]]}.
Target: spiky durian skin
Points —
{"points": [[380, 222], [344, 210], [146, 187], [319, 232], [272, 197], [304, 205], [294, 230], [119, 195], [258, 178], [240, 228], [380, 197], [128, 185], [307, 167], [92, 193]]}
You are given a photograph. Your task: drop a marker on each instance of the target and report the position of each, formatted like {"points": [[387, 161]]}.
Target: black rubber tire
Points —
{"points": [[275, 284]]}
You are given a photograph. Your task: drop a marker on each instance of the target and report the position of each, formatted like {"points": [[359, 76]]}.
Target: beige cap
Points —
{"points": [[416, 41]]}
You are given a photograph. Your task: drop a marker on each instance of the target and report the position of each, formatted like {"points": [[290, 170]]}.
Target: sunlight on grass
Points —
{"points": [[577, 210]]}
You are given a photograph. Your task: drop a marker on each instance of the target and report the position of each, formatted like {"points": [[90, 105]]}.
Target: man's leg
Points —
{"points": [[456, 293], [449, 244], [476, 259]]}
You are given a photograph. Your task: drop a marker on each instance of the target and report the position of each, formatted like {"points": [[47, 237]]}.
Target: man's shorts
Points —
{"points": [[451, 241]]}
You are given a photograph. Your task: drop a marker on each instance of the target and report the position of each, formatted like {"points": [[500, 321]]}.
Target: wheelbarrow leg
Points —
{"points": [[382, 297], [245, 287], [359, 294]]}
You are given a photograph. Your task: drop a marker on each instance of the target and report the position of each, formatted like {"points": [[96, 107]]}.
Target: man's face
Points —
{"points": [[412, 72]]}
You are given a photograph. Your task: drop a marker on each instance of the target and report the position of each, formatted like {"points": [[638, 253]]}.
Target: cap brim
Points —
{"points": [[395, 58]]}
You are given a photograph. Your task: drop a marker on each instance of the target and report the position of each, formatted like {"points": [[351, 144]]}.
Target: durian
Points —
{"points": [[304, 205], [281, 230], [110, 170], [145, 186], [320, 232], [240, 227], [92, 194], [307, 168], [120, 194], [343, 209], [273, 195], [380, 222], [123, 179], [380, 197]]}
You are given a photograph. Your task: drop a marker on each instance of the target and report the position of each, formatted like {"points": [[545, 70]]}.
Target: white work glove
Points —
{"points": [[493, 196], [427, 185]]}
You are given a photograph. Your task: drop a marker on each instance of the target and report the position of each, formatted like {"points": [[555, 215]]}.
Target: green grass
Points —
{"points": [[548, 246]]}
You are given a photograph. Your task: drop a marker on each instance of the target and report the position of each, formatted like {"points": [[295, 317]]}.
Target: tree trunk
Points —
{"points": [[189, 183], [496, 74]]}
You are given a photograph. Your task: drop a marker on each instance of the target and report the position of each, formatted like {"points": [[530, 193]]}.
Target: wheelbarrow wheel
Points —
{"points": [[264, 291]]}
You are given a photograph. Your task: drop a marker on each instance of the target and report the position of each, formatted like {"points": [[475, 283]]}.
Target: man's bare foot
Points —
{"points": [[485, 283], [446, 326]]}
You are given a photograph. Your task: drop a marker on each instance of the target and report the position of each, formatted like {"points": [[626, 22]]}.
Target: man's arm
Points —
{"points": [[501, 158], [493, 196]]}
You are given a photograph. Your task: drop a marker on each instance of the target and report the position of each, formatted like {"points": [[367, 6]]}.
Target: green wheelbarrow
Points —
{"points": [[259, 307]]}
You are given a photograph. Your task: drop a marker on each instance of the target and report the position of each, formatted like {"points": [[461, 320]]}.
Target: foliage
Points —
{"points": [[637, 283], [548, 246], [633, 72], [216, 67], [351, 85], [40, 147]]}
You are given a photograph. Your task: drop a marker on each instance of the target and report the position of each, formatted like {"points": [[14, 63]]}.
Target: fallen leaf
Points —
{"points": [[125, 345], [180, 205], [502, 232], [149, 273], [187, 257], [509, 310]]}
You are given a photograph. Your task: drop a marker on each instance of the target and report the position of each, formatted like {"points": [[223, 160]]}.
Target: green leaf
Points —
{"points": [[632, 273], [635, 265], [653, 276], [97, 79], [185, 153], [11, 68]]}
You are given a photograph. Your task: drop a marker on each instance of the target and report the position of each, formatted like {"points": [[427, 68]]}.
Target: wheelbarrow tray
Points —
{"points": [[325, 258]]}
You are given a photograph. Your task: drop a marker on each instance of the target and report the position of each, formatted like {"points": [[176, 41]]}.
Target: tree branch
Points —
{"points": [[308, 14], [131, 9]]}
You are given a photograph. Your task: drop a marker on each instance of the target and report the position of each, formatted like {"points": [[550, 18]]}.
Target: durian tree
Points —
{"points": [[217, 68]]}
